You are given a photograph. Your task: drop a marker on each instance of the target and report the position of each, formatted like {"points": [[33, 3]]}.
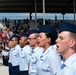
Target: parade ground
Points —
{"points": [[3, 69]]}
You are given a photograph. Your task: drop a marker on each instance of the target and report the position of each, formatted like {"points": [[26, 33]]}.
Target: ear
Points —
{"points": [[72, 42], [48, 39]]}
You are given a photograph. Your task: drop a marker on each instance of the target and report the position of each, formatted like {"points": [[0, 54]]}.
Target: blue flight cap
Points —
{"points": [[23, 34], [48, 29], [15, 36], [64, 26], [33, 31]]}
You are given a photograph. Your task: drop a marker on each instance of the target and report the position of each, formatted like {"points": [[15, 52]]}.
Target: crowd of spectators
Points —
{"points": [[7, 31]]}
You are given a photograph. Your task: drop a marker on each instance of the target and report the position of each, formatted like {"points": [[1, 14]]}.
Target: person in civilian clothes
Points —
{"points": [[14, 55], [1, 50], [66, 45], [25, 53], [1, 45], [50, 60], [36, 51]]}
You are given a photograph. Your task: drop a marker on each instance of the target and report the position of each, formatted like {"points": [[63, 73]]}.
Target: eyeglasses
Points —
{"points": [[31, 38]]}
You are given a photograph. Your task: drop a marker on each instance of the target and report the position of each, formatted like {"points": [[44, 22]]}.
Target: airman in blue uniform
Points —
{"points": [[50, 60], [25, 54], [66, 45], [14, 55], [36, 51]]}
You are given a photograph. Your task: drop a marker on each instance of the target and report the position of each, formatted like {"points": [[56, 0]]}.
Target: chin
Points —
{"points": [[40, 45], [21, 46], [58, 51]]}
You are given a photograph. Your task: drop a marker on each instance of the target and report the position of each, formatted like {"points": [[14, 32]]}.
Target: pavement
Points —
{"points": [[3, 69]]}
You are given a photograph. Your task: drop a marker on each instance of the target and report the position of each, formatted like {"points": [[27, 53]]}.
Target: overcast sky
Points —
{"points": [[26, 15]]}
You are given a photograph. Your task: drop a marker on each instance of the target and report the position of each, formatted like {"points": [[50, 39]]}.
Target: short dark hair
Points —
{"points": [[52, 38], [72, 35]]}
